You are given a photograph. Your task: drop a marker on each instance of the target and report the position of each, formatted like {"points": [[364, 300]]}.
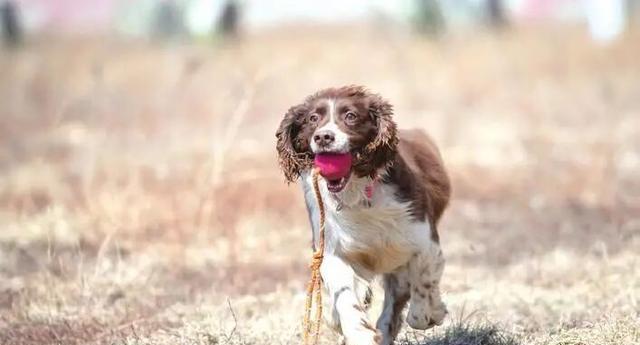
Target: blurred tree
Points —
{"points": [[497, 17], [633, 11], [229, 20], [11, 26], [168, 20], [429, 18]]}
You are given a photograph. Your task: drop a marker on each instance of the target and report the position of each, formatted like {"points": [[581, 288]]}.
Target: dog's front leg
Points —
{"points": [[346, 310], [426, 308]]}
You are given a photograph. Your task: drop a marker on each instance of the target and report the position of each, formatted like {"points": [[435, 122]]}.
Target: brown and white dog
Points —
{"points": [[380, 220]]}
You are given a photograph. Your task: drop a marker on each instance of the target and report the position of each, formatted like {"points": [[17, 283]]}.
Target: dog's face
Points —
{"points": [[338, 120], [337, 125]]}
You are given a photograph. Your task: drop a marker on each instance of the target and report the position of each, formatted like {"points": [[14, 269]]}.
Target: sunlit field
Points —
{"points": [[141, 201]]}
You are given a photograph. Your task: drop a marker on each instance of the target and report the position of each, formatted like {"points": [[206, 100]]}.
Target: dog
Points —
{"points": [[381, 219]]}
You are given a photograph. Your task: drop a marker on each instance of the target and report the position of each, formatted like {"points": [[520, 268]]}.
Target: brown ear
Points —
{"points": [[382, 149], [291, 161]]}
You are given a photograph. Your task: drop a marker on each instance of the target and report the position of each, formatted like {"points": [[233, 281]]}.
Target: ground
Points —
{"points": [[141, 202]]}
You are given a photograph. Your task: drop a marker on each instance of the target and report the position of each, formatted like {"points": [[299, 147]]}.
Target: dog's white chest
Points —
{"points": [[378, 235]]}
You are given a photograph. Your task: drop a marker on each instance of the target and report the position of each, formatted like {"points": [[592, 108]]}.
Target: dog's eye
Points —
{"points": [[314, 118], [350, 116]]}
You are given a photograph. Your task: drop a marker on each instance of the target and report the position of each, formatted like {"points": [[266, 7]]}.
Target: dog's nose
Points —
{"points": [[324, 138]]}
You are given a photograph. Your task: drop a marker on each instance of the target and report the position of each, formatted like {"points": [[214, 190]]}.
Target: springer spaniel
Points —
{"points": [[380, 219]]}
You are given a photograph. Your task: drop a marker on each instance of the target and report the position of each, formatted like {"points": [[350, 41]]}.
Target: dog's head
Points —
{"points": [[348, 119]]}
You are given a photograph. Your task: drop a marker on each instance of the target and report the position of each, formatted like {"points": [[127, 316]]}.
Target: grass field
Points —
{"points": [[141, 202]]}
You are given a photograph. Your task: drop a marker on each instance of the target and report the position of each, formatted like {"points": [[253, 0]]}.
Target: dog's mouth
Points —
{"points": [[335, 169], [337, 185]]}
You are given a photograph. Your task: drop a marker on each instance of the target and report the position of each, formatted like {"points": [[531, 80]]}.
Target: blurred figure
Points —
{"points": [[429, 17], [497, 17], [11, 26], [228, 22], [168, 20]]}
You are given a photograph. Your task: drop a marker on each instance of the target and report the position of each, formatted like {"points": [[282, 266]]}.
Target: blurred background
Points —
{"points": [[141, 201]]}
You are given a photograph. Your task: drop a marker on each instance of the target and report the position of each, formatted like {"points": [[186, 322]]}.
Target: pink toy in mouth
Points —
{"points": [[333, 166]]}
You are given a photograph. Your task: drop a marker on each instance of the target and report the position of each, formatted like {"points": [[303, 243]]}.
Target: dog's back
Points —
{"points": [[422, 156]]}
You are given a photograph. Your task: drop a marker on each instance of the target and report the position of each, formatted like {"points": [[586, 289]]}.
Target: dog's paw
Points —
{"points": [[422, 316]]}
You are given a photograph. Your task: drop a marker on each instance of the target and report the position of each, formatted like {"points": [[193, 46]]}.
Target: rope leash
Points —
{"points": [[312, 329]]}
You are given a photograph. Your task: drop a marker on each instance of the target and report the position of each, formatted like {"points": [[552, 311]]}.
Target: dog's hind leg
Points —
{"points": [[396, 294], [425, 270]]}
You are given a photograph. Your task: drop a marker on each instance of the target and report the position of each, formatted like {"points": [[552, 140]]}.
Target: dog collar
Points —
{"points": [[371, 186], [368, 189]]}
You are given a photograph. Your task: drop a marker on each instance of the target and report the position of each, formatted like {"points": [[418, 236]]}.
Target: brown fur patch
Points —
{"points": [[419, 174], [362, 259]]}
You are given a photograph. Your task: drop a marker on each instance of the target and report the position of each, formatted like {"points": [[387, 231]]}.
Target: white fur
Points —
{"points": [[332, 109]]}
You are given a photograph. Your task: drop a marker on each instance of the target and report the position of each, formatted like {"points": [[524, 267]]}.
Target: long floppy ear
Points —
{"points": [[291, 162], [382, 149]]}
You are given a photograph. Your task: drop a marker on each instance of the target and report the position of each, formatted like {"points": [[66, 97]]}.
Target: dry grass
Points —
{"points": [[140, 201]]}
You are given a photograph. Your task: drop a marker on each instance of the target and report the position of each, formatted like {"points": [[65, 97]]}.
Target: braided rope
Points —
{"points": [[312, 330]]}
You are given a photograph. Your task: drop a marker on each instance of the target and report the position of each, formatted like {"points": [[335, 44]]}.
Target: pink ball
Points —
{"points": [[333, 166]]}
